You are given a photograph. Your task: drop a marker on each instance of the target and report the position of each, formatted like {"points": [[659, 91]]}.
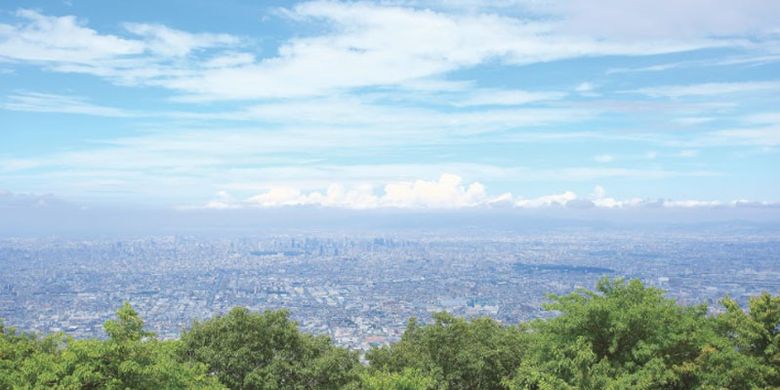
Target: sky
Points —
{"points": [[195, 105]]}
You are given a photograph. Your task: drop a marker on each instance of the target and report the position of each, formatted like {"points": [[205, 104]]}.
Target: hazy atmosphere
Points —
{"points": [[390, 194], [512, 104]]}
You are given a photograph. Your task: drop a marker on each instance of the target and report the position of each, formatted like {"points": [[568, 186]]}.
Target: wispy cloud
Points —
{"points": [[169, 42], [688, 153], [710, 89], [507, 98], [371, 94], [65, 44], [585, 87], [759, 58], [764, 135], [45, 102], [363, 47], [40, 38], [751, 130], [368, 41], [666, 19]]}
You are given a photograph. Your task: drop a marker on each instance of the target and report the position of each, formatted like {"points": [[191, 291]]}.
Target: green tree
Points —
{"points": [[623, 335], [457, 353], [129, 359], [17, 351], [248, 350], [408, 379], [750, 356]]}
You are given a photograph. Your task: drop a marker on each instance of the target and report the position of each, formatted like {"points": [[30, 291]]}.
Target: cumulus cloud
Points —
{"points": [[447, 192], [562, 199], [600, 199]]}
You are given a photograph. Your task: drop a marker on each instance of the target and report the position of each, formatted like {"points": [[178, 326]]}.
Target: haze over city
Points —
{"points": [[513, 194]]}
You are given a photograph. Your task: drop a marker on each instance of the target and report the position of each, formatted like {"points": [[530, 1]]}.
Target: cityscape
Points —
{"points": [[390, 194], [361, 289]]}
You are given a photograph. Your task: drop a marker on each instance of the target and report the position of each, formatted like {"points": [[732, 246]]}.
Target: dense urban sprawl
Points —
{"points": [[360, 289]]}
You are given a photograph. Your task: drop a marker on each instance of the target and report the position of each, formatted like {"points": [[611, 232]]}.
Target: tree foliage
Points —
{"points": [[625, 335], [248, 350], [408, 379], [129, 359], [457, 353], [620, 335]]}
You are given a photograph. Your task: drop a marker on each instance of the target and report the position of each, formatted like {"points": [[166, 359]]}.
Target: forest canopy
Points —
{"points": [[620, 335]]}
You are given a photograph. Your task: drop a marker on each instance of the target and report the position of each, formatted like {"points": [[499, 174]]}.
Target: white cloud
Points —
{"points": [[172, 162], [379, 45], [224, 201], [312, 103], [364, 45], [753, 130], [229, 59], [400, 121], [598, 192], [604, 158], [507, 98], [584, 87], [765, 135], [692, 203], [764, 118], [176, 43], [710, 89], [45, 102], [599, 199], [66, 44], [11, 164], [667, 19], [754, 59], [688, 153], [548, 200], [448, 192], [60, 39], [651, 68], [694, 120]]}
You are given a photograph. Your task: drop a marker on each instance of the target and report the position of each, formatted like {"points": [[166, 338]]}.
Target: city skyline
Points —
{"points": [[361, 288]]}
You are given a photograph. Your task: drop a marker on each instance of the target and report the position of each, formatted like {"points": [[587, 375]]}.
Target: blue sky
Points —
{"points": [[403, 104]]}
